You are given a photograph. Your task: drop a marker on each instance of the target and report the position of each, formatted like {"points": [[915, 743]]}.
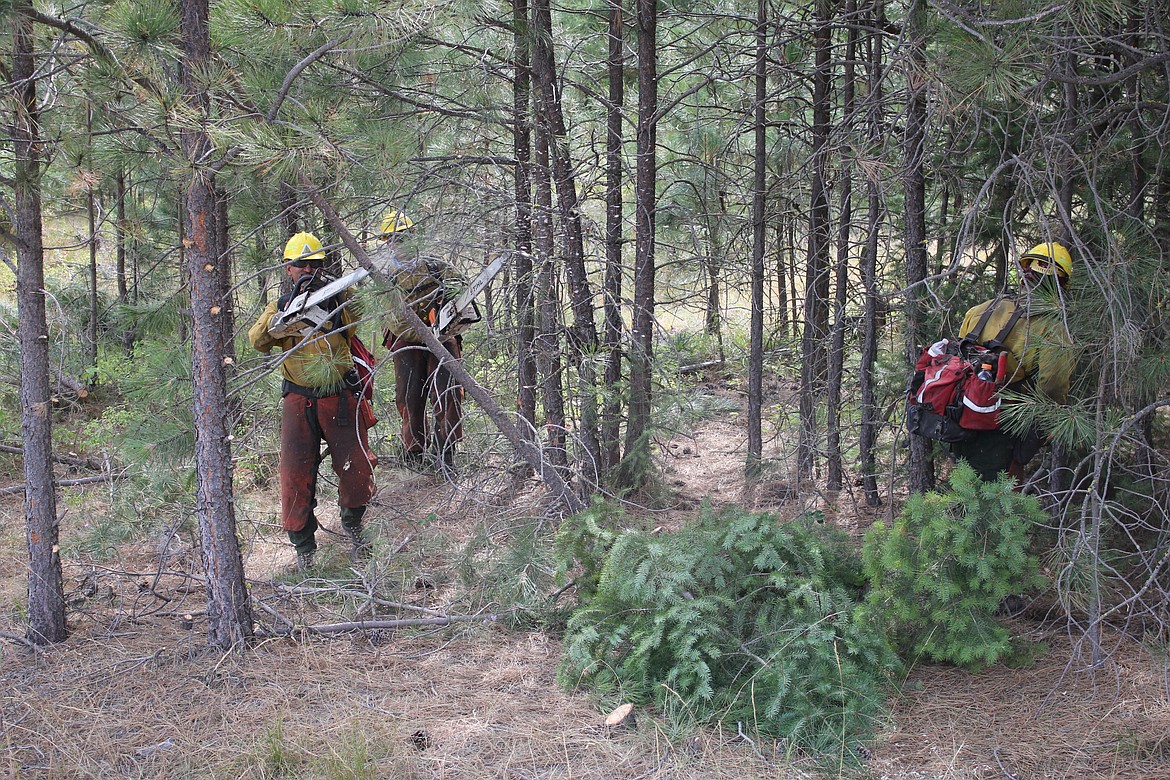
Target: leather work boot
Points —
{"points": [[351, 523], [305, 543]]}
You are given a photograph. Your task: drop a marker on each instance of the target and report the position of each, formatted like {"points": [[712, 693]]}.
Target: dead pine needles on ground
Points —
{"points": [[412, 677]]}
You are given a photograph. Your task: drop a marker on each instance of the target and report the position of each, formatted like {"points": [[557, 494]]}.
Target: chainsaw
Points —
{"points": [[305, 310], [452, 317], [306, 313]]}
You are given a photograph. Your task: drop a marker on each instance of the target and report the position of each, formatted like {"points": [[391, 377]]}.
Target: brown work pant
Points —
{"points": [[417, 377], [304, 423]]}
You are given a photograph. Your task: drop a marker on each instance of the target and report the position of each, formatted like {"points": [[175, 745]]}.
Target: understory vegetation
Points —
{"points": [[779, 627], [742, 215]]}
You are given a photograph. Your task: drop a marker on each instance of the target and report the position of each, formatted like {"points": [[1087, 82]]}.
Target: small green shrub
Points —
{"points": [[735, 618], [938, 574]]}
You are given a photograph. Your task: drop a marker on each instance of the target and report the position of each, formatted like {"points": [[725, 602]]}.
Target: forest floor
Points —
{"points": [[135, 692]]}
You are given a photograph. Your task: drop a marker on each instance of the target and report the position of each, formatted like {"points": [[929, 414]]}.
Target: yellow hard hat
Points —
{"points": [[304, 246], [1042, 258], [394, 221]]}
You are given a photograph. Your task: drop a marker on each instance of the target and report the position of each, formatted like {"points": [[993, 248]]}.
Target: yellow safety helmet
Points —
{"points": [[1042, 258], [394, 221], [304, 247]]}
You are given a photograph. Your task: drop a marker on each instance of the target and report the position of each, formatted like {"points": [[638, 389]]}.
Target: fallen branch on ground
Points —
{"points": [[382, 625], [67, 460], [69, 383], [700, 366], [15, 489], [302, 590], [20, 640]]}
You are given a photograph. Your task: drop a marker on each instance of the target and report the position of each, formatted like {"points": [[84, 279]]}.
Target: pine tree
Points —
{"points": [[938, 574]]}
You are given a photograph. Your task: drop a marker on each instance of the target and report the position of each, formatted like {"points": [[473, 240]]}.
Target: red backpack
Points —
{"points": [[955, 389], [364, 363]]}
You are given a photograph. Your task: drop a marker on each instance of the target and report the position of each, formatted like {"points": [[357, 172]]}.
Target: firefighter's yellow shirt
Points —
{"points": [[1039, 346]]}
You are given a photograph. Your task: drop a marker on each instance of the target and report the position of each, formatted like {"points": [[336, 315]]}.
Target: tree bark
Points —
{"points": [[121, 237], [636, 461], [755, 392], [522, 146], [548, 343], [816, 295], [228, 607], [91, 325], [834, 472], [611, 414], [46, 600], [921, 465], [870, 418], [583, 337]]}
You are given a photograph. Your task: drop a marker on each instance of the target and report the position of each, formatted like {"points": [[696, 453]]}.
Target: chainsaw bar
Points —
{"points": [[453, 310], [305, 310]]}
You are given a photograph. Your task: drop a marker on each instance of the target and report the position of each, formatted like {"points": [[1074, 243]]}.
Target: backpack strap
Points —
{"points": [[1007, 328], [977, 332], [996, 342]]}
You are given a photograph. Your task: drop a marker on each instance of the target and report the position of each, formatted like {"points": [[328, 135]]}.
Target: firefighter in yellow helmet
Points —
{"points": [[424, 285], [320, 400], [1038, 359], [394, 221]]}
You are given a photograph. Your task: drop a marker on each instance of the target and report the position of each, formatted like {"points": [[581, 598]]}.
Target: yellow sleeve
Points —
{"points": [[258, 334], [1054, 360]]}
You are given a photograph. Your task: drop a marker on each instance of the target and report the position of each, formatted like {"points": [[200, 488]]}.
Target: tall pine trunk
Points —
{"points": [[834, 476], [921, 465], [870, 417], [91, 325], [121, 239], [611, 413], [583, 336], [548, 346], [755, 393], [228, 607], [816, 291], [46, 600], [522, 188], [636, 461]]}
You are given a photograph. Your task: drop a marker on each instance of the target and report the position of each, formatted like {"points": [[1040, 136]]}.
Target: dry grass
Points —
{"points": [[132, 693]]}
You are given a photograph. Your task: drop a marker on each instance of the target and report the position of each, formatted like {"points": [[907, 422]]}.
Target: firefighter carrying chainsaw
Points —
{"points": [[322, 396], [434, 291]]}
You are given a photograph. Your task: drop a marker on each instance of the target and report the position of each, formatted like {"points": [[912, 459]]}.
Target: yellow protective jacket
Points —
{"points": [[320, 362], [1039, 348], [425, 285]]}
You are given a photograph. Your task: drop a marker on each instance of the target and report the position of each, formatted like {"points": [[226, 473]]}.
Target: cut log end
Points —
{"points": [[620, 716]]}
